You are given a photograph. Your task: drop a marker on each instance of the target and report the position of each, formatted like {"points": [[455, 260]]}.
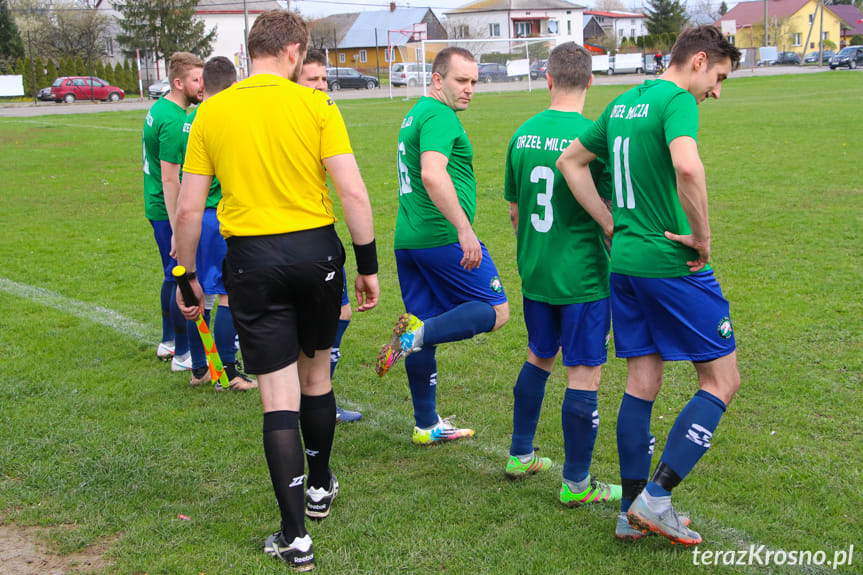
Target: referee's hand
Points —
{"points": [[368, 291]]}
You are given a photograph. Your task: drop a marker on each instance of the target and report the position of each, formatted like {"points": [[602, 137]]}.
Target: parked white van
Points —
{"points": [[410, 74]]}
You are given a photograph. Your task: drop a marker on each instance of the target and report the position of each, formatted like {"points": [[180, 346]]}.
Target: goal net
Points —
{"points": [[505, 64]]}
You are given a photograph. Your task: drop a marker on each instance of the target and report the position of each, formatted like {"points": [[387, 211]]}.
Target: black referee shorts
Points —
{"points": [[285, 292]]}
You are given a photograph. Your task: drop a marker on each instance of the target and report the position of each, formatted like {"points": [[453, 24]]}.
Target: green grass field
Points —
{"points": [[101, 444]]}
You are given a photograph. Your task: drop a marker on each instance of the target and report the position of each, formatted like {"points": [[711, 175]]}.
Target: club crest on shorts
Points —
{"points": [[724, 328], [496, 285]]}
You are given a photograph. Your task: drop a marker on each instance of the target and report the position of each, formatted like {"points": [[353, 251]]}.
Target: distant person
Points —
{"points": [[218, 74], [163, 157], [449, 284], [566, 297], [271, 143], [665, 300], [314, 76]]}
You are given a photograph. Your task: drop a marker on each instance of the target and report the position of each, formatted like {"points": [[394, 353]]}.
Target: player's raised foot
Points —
{"points": [[405, 340], [238, 381], [165, 350], [347, 416], [658, 515], [594, 492], [442, 431], [299, 553], [200, 376], [319, 499], [516, 468], [626, 532], [182, 363]]}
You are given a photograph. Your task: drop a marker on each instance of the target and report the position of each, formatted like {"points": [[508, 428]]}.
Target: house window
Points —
{"points": [[825, 36], [569, 27], [632, 33], [522, 29], [811, 19], [494, 29], [796, 38], [731, 40], [342, 58], [553, 27], [461, 31], [364, 57]]}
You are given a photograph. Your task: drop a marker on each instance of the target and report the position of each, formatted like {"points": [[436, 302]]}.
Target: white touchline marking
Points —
{"points": [[97, 314], [56, 124]]}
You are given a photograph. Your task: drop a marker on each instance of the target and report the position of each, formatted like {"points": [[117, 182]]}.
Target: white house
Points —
{"points": [[229, 19], [557, 20]]}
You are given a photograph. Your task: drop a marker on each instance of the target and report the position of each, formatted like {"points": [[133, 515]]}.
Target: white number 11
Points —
{"points": [[622, 172]]}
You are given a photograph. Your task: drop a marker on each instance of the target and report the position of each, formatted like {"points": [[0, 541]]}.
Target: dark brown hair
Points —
{"points": [[274, 31], [707, 39], [570, 66]]}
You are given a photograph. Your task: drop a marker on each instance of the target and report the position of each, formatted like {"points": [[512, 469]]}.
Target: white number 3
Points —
{"points": [[543, 224]]}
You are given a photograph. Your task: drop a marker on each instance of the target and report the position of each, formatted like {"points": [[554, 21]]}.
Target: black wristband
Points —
{"points": [[191, 276], [367, 258]]}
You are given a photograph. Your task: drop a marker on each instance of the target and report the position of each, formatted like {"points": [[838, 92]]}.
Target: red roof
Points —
{"points": [[614, 14], [748, 13], [851, 16]]}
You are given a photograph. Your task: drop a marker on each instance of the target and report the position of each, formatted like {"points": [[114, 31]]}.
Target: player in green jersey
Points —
{"points": [[566, 295], [163, 156], [666, 303], [219, 73], [449, 284]]}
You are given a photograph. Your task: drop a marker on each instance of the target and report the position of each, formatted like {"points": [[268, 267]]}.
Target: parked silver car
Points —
{"points": [[159, 89]]}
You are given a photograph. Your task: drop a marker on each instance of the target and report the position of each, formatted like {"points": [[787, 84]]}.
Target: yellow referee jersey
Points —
{"points": [[265, 139]]}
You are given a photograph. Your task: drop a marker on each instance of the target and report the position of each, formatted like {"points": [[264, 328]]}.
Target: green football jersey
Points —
{"points": [[632, 136], [215, 193], [431, 126], [163, 140], [561, 255]]}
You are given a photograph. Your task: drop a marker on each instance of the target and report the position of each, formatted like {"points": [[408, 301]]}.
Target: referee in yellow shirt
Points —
{"points": [[271, 142]]}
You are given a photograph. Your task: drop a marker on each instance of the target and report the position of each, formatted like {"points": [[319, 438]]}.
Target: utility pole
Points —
{"points": [[766, 35], [32, 67]]}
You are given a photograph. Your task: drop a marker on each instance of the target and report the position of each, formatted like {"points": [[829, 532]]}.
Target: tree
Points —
{"points": [[856, 40], [610, 5], [162, 27], [665, 16], [11, 46], [723, 8]]}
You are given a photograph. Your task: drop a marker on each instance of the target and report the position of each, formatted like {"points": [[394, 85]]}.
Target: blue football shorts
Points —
{"points": [[683, 319], [432, 280], [211, 254], [580, 329], [162, 233]]}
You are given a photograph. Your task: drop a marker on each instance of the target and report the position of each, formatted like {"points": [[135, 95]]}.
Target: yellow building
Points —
{"points": [[792, 25]]}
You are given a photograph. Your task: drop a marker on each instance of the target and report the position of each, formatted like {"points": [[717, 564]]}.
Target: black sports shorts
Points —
{"points": [[285, 292]]}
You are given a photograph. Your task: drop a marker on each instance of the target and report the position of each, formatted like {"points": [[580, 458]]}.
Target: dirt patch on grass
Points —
{"points": [[23, 552]]}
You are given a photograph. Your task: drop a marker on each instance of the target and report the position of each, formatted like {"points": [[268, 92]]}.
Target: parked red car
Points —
{"points": [[70, 88]]}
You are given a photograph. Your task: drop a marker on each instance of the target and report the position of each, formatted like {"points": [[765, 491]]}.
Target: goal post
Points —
{"points": [[502, 61]]}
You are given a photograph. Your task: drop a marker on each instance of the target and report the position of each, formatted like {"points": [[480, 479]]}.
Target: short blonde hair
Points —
{"points": [[181, 63]]}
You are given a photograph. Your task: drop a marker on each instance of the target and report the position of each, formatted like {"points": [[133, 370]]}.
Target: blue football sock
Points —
{"points": [[461, 322], [528, 394], [181, 338], [225, 335], [196, 346], [580, 420], [169, 291], [421, 367], [690, 436], [336, 353], [634, 442]]}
